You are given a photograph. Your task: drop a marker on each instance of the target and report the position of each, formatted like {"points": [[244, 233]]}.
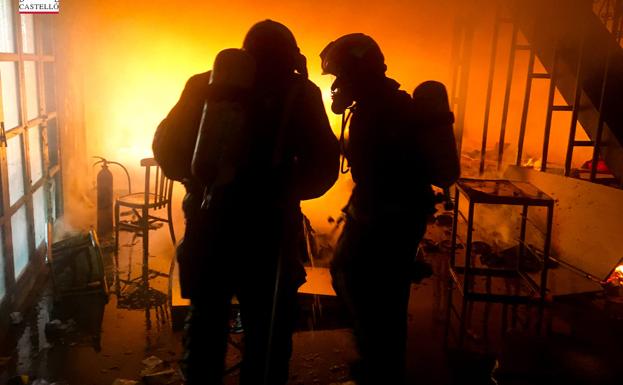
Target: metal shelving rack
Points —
{"points": [[499, 192]]}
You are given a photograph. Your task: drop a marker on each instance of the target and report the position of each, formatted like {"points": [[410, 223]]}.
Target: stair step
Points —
{"points": [[546, 37], [583, 143], [540, 76], [562, 108]]}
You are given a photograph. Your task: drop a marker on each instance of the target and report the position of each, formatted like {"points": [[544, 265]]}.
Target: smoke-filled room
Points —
{"points": [[398, 192]]}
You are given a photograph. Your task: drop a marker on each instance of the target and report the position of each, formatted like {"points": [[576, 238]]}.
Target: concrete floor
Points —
{"points": [[108, 340]]}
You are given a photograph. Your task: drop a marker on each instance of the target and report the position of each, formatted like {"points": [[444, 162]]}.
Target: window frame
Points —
{"points": [[13, 286]]}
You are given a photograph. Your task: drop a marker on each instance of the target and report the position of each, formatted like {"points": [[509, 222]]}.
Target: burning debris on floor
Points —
{"points": [[616, 278]]}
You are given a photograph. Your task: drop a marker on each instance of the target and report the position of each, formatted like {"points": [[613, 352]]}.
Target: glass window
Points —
{"points": [[45, 24], [50, 86], [30, 82], [2, 192], [57, 197], [53, 200], [52, 130], [19, 231], [10, 94], [15, 163], [36, 157], [7, 38], [39, 211], [2, 263], [28, 34]]}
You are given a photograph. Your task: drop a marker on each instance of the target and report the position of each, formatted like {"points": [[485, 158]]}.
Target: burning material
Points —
{"points": [[616, 278], [534, 163], [614, 286]]}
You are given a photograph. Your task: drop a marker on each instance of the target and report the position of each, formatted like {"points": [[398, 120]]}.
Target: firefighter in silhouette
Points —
{"points": [[250, 140], [387, 212]]}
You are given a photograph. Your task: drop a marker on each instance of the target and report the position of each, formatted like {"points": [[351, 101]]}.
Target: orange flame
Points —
{"points": [[616, 278]]}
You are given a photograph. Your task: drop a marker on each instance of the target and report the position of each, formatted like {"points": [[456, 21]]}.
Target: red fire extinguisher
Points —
{"points": [[105, 197]]}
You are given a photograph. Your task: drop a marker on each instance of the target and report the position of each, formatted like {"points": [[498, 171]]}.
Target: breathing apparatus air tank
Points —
{"points": [[222, 141], [437, 132]]}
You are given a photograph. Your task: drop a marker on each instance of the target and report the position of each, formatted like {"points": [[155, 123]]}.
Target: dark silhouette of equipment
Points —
{"points": [[436, 130], [223, 143]]}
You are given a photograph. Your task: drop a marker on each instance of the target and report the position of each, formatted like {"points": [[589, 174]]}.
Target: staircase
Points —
{"points": [[571, 41]]}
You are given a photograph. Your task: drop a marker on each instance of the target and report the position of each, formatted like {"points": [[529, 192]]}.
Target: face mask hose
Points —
{"points": [[344, 166]]}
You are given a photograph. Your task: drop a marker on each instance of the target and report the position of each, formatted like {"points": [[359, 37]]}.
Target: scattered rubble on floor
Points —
{"points": [[444, 220], [44, 382], [26, 380], [152, 362], [120, 381], [163, 377], [16, 318], [344, 383], [56, 327], [159, 372]]}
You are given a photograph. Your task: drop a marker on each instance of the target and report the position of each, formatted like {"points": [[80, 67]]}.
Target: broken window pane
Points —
{"points": [[19, 231], [39, 211], [15, 163], [36, 158], [10, 94], [28, 34], [7, 38], [32, 98]]}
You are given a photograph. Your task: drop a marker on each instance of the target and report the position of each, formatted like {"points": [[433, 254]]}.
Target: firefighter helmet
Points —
{"points": [[353, 54], [272, 43]]}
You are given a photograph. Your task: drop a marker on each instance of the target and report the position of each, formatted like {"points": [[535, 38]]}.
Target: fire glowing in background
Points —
{"points": [[136, 58], [130, 61], [133, 59]]}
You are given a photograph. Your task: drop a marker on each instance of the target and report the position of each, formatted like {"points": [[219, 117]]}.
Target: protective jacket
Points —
{"points": [[385, 159], [301, 163]]}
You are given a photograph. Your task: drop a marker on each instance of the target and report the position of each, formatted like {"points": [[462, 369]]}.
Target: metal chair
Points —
{"points": [[157, 195]]}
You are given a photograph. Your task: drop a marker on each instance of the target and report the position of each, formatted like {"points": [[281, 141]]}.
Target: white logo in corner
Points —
{"points": [[39, 6]]}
